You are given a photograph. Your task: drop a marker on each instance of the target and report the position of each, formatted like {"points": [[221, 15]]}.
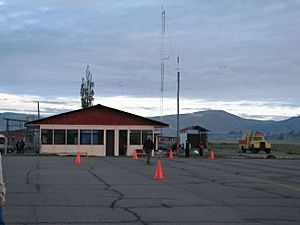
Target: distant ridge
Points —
{"points": [[219, 121]]}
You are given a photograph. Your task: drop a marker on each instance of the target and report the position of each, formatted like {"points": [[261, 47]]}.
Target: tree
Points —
{"points": [[86, 91]]}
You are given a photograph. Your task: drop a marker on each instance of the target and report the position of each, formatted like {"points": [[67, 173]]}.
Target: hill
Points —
{"points": [[219, 121]]}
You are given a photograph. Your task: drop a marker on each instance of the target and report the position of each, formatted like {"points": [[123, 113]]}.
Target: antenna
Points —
{"points": [[162, 62], [163, 21]]}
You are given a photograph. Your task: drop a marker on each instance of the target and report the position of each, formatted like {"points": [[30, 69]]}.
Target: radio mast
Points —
{"points": [[162, 62]]}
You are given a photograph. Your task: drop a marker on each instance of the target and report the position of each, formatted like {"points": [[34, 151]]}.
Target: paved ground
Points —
{"points": [[53, 190]]}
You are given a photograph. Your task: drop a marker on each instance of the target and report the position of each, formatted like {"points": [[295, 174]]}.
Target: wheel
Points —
{"points": [[268, 150], [243, 149]]}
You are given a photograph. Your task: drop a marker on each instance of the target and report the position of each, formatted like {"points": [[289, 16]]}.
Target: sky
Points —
{"points": [[241, 56]]}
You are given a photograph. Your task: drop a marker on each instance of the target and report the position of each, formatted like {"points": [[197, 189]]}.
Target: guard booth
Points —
{"points": [[194, 135]]}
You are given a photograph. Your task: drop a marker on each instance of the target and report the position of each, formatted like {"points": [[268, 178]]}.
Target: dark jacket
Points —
{"points": [[148, 145]]}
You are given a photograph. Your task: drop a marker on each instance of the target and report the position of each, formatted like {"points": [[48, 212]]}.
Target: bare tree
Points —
{"points": [[86, 91]]}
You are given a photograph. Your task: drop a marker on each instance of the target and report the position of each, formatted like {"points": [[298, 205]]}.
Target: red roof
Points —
{"points": [[98, 115], [201, 129]]}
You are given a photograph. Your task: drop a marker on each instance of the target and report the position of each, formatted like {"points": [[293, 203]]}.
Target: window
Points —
{"points": [[85, 137], [47, 137], [59, 137], [2, 141], [72, 137], [146, 134], [258, 138], [135, 137], [98, 137]]}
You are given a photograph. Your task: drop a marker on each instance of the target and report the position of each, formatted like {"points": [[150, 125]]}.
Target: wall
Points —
{"points": [[95, 150]]}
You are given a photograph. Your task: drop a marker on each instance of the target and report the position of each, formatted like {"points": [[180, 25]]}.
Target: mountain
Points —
{"points": [[219, 121]]}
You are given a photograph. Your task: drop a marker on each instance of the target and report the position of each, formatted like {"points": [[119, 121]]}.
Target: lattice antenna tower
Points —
{"points": [[163, 58]]}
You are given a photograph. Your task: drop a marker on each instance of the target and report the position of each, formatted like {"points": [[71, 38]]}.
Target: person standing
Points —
{"points": [[2, 192], [187, 149], [22, 145], [18, 147], [201, 146], [148, 146]]}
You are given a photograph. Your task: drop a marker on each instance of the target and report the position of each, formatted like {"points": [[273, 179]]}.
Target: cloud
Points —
{"points": [[150, 106], [231, 51], [263, 117], [28, 104]]}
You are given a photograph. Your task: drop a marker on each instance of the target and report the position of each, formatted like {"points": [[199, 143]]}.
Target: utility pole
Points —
{"points": [[178, 89], [38, 102]]}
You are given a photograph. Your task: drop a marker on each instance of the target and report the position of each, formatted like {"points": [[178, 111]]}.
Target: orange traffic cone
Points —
{"points": [[78, 161], [159, 174], [171, 154], [135, 156], [212, 155]]}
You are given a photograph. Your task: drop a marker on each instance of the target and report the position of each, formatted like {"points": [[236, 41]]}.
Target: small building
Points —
{"points": [[97, 130], [194, 135]]}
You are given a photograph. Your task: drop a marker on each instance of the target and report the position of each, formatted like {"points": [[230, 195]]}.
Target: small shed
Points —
{"points": [[194, 135], [98, 130]]}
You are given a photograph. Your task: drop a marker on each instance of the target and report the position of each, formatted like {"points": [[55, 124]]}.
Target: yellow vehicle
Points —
{"points": [[254, 142]]}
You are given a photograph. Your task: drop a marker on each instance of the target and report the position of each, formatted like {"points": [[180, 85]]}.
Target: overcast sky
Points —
{"points": [[236, 55]]}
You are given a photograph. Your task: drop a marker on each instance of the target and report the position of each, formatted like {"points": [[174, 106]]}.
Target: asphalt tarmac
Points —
{"points": [[119, 190]]}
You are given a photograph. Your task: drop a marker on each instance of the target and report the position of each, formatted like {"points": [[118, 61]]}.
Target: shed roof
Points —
{"points": [[97, 115], [201, 129]]}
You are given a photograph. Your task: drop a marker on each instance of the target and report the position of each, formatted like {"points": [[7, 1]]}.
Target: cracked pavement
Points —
{"points": [[118, 190]]}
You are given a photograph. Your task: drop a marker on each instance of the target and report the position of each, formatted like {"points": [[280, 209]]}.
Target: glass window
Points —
{"points": [[135, 137], [258, 138], [146, 134], [85, 137], [46, 136], [72, 137], [59, 137], [98, 137], [2, 141]]}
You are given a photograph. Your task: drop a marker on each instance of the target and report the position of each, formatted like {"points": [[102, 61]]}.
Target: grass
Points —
{"points": [[223, 145], [286, 146]]}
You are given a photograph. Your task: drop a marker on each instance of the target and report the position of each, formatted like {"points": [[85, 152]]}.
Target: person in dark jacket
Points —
{"points": [[187, 149], [22, 145], [201, 147], [18, 146], [148, 147]]}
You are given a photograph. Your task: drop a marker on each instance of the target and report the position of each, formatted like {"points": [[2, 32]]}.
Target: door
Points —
{"points": [[110, 142], [122, 142]]}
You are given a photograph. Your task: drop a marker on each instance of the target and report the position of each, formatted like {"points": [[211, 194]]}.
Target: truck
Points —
{"points": [[3, 144], [254, 142]]}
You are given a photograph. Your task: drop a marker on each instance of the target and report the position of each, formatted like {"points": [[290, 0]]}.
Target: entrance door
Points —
{"points": [[110, 142], [122, 142]]}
